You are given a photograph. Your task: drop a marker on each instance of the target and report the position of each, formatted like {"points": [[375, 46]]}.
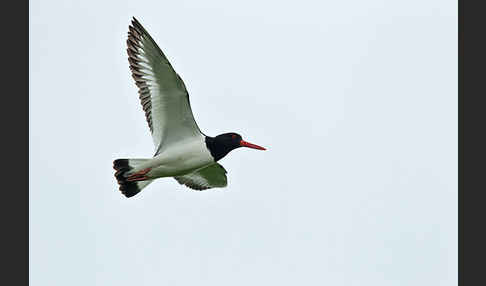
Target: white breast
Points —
{"points": [[181, 158]]}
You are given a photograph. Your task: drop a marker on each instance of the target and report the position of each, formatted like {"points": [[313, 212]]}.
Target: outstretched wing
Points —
{"points": [[162, 92], [213, 176]]}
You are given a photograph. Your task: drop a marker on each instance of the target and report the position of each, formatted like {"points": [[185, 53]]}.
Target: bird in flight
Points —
{"points": [[182, 151]]}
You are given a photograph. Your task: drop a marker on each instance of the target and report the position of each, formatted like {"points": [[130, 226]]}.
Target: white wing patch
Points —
{"points": [[162, 92], [213, 176]]}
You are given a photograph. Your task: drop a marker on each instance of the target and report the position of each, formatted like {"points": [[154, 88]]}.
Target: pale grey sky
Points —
{"points": [[355, 100]]}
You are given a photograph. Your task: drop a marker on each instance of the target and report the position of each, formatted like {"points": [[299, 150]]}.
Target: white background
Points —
{"points": [[356, 102]]}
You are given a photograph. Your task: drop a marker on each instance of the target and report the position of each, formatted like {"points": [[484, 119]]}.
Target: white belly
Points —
{"points": [[182, 158]]}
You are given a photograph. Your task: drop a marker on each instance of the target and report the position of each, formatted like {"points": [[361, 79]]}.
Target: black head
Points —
{"points": [[221, 145]]}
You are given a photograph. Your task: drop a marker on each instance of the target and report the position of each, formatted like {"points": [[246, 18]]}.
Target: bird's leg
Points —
{"points": [[139, 176]]}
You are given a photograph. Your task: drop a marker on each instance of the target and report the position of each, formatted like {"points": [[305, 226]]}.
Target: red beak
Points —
{"points": [[250, 145]]}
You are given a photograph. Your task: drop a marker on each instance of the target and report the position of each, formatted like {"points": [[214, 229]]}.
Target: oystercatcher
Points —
{"points": [[182, 151]]}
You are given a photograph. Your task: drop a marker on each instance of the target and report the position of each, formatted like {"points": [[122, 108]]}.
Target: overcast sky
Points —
{"points": [[355, 100]]}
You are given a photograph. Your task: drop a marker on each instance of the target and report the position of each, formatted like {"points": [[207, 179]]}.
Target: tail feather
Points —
{"points": [[122, 167]]}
